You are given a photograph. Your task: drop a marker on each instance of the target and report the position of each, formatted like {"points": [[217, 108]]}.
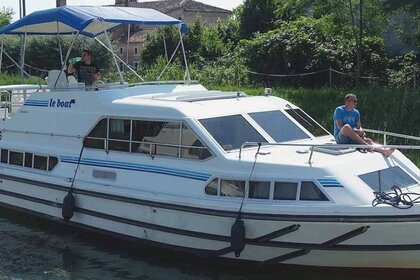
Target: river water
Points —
{"points": [[33, 248]]}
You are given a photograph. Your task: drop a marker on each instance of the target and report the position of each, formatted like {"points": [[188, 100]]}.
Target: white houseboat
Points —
{"points": [[208, 172]]}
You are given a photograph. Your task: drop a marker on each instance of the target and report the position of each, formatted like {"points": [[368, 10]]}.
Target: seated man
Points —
{"points": [[348, 128], [87, 70]]}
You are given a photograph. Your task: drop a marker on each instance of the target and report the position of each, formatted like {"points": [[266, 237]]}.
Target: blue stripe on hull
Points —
{"points": [[138, 167]]}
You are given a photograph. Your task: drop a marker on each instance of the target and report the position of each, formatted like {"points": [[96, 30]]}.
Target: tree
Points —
{"points": [[6, 16], [256, 16]]}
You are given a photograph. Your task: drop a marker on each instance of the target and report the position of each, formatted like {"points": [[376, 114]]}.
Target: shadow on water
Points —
{"points": [[33, 248]]}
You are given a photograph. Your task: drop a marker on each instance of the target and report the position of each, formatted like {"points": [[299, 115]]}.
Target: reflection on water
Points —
{"points": [[31, 248]]}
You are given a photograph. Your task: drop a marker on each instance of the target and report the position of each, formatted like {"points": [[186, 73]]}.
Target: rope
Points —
{"points": [[249, 179], [396, 198], [307, 74]]}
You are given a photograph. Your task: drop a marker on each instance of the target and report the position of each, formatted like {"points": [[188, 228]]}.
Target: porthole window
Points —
{"points": [[28, 160], [40, 162], [259, 190], [4, 155], [212, 187], [309, 191], [52, 162], [285, 190], [16, 158]]}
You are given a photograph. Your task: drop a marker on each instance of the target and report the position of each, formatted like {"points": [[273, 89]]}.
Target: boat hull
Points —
{"points": [[327, 240]]}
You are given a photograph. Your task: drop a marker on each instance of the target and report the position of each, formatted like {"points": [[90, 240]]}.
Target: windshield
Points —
{"points": [[384, 179], [306, 121], [231, 131], [278, 126]]}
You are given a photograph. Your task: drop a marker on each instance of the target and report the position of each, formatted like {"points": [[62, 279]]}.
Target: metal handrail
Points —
{"points": [[312, 146], [386, 133]]}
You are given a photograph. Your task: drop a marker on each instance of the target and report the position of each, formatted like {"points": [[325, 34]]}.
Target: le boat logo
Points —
{"points": [[57, 103]]}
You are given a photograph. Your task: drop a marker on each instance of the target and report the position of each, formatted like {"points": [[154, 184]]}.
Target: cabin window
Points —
{"points": [[40, 162], [285, 190], [52, 162], [4, 155], [307, 122], [136, 50], [28, 160], [231, 131], [194, 148], [119, 129], [278, 126], [384, 179], [232, 188], [259, 190], [16, 158], [173, 139], [96, 137], [121, 50], [212, 187], [310, 191]]}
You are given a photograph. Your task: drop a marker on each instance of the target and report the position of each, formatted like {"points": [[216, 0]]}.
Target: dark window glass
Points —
{"points": [[119, 129], [28, 160], [95, 143], [52, 162], [307, 122], [211, 188], [118, 146], [285, 190], [259, 190], [146, 129], [310, 191], [102, 174], [196, 150], [4, 155], [383, 180], [40, 162], [231, 131], [99, 131], [232, 188], [16, 158], [278, 126]]}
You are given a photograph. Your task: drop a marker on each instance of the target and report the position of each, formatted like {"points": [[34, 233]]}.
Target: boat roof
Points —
{"points": [[87, 20]]}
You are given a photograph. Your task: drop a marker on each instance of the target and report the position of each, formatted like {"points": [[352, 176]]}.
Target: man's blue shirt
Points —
{"points": [[347, 117]]}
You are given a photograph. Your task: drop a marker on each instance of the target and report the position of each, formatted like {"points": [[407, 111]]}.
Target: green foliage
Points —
{"points": [[406, 14], [6, 79], [201, 44], [403, 70], [6, 16], [256, 16], [43, 52], [306, 45]]}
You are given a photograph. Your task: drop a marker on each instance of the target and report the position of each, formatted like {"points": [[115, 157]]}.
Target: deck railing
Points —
{"points": [[333, 146]]}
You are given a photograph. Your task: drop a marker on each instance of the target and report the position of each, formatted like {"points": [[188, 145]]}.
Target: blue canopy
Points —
{"points": [[88, 20]]}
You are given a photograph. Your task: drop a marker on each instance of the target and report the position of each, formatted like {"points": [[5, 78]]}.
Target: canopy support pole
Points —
{"points": [[128, 43], [1, 52], [169, 61], [22, 55], [63, 64], [17, 64], [110, 48], [59, 43], [185, 57], [117, 57]]}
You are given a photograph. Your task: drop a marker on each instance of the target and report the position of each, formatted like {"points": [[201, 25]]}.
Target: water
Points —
{"points": [[33, 248]]}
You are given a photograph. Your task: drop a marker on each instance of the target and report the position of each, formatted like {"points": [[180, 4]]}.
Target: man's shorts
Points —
{"points": [[340, 138]]}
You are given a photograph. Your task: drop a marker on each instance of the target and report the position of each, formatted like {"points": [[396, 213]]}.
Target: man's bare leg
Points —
{"points": [[350, 133]]}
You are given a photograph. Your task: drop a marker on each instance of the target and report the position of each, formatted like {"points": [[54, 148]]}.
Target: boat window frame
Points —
{"points": [[182, 123], [48, 168]]}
